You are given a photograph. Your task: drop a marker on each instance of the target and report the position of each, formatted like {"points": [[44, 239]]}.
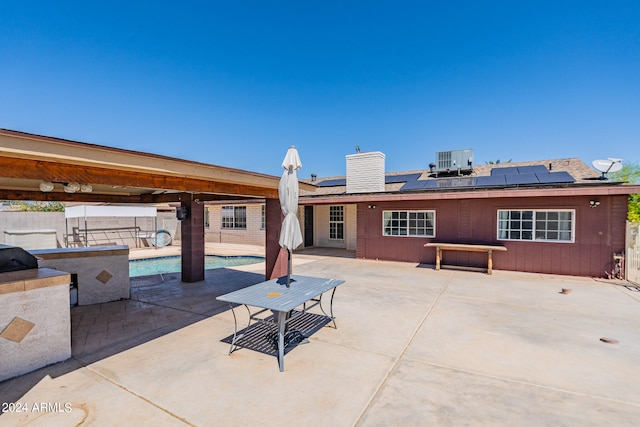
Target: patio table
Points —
{"points": [[274, 295]]}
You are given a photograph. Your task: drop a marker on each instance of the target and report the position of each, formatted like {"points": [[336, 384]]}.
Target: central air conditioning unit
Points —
{"points": [[454, 161]]}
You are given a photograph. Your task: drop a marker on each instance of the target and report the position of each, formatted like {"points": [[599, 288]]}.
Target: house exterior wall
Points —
{"points": [[599, 233], [351, 228], [254, 234], [321, 237], [321, 229]]}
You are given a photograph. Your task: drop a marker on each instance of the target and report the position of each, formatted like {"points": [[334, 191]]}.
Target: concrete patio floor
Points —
{"points": [[413, 346]]}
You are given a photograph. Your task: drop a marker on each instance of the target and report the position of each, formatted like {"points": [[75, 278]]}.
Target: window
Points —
{"points": [[263, 218], [336, 222], [234, 217], [409, 223], [537, 225]]}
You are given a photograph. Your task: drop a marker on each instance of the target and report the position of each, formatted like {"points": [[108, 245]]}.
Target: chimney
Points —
{"points": [[365, 172]]}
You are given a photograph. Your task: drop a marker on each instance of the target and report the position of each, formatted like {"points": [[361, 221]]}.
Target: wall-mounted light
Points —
{"points": [[371, 206], [182, 213], [594, 203], [46, 186]]}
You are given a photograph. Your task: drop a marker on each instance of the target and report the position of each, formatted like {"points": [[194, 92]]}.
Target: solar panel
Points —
{"points": [[419, 185], [555, 177], [412, 185], [533, 169], [332, 182], [491, 181], [504, 171], [394, 179], [522, 179], [455, 182]]}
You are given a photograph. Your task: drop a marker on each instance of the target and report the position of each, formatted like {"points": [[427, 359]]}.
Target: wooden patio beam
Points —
{"points": [[57, 172], [39, 196]]}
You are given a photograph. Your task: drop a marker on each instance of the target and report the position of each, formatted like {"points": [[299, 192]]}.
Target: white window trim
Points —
{"points": [[412, 235], [534, 240], [343, 222]]}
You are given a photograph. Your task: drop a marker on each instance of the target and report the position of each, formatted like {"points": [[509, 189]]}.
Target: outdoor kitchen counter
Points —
{"points": [[101, 273], [35, 323], [91, 251], [26, 280]]}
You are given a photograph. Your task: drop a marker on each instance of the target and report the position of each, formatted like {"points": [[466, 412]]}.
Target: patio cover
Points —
{"points": [[125, 176]]}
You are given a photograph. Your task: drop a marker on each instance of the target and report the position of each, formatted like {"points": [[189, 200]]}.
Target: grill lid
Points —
{"points": [[13, 258]]}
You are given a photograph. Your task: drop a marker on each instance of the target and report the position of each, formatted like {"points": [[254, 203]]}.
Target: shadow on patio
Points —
{"points": [[159, 305]]}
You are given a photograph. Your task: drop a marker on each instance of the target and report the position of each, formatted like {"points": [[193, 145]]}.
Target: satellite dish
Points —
{"points": [[606, 166]]}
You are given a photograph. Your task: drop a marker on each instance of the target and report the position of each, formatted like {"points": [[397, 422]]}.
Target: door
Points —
{"points": [[308, 226]]}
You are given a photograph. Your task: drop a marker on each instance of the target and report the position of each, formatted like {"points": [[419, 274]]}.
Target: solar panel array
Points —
{"points": [[500, 177], [388, 179], [519, 170]]}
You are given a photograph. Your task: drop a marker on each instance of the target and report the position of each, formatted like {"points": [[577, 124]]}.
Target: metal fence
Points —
{"points": [[632, 256]]}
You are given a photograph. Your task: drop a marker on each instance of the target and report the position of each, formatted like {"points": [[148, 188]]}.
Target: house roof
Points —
{"points": [[512, 179]]}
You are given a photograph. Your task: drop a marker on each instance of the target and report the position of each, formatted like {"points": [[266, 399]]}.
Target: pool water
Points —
{"points": [[173, 264]]}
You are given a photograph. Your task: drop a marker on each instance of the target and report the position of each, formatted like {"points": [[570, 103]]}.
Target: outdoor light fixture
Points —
{"points": [[594, 203], [182, 213], [71, 187], [372, 206], [46, 186]]}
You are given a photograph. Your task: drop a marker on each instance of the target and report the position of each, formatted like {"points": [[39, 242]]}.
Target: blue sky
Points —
{"points": [[234, 83]]}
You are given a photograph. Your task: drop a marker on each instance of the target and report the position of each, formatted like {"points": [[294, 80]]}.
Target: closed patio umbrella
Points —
{"points": [[290, 234]]}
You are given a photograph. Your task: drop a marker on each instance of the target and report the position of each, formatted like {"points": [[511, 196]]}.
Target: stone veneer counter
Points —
{"points": [[35, 322]]}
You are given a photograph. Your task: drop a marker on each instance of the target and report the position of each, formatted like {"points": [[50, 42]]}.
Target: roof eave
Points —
{"points": [[573, 190]]}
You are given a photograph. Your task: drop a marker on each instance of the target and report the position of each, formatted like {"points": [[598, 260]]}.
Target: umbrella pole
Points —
{"points": [[289, 269]]}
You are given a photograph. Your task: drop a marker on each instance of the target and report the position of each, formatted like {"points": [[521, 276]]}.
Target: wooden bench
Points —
{"points": [[465, 247]]}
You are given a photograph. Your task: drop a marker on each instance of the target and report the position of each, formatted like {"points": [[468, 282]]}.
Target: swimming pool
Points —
{"points": [[173, 264]]}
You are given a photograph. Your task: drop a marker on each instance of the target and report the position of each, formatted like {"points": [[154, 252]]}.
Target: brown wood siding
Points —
{"points": [[361, 227], [599, 232]]}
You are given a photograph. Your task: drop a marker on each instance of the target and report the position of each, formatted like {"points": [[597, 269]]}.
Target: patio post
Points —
{"points": [[192, 236], [276, 257]]}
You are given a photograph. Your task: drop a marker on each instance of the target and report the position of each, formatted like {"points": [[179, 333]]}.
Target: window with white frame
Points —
{"points": [[336, 222], [409, 223], [234, 217], [536, 225]]}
